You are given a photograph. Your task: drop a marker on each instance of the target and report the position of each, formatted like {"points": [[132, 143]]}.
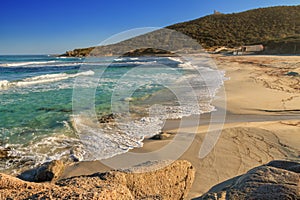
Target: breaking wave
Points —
{"points": [[48, 78]]}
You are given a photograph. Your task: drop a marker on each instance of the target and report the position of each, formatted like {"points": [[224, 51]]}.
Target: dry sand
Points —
{"points": [[262, 122]]}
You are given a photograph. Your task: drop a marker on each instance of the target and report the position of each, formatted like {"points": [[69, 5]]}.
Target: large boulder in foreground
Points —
{"points": [[49, 171], [171, 182], [275, 180]]}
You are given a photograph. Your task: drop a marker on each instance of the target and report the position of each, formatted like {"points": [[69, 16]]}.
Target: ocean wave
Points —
{"points": [[46, 64], [119, 59], [66, 64], [125, 59], [126, 133], [110, 139], [176, 59], [47, 78], [19, 64], [183, 63], [4, 83], [55, 147]]}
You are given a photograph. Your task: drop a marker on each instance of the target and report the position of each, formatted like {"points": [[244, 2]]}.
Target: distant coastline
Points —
{"points": [[276, 28]]}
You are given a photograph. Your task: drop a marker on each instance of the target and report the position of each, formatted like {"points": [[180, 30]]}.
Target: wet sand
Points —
{"points": [[262, 122]]}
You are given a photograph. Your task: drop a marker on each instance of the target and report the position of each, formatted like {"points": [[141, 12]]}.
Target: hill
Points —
{"points": [[250, 27], [277, 28]]}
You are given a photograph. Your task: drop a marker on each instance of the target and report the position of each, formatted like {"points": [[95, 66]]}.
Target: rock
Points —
{"points": [[50, 171], [287, 165], [4, 153], [275, 180], [7, 153], [171, 182], [292, 74], [161, 136], [107, 118], [13, 188], [148, 52]]}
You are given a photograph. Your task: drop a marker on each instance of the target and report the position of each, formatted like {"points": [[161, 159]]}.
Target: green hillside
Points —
{"points": [[277, 28], [250, 27]]}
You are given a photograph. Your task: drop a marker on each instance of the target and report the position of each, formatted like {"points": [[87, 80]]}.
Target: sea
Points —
{"points": [[95, 108]]}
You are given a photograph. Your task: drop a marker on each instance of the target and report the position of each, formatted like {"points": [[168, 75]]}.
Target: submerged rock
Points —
{"points": [[4, 153], [171, 182], [275, 180], [107, 118]]}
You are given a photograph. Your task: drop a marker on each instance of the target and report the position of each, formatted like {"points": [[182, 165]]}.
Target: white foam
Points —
{"points": [[48, 78], [126, 133], [55, 147], [176, 59], [100, 142], [4, 84], [118, 59], [18, 64]]}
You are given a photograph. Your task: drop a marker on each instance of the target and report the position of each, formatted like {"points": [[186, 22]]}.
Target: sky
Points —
{"points": [[55, 26]]}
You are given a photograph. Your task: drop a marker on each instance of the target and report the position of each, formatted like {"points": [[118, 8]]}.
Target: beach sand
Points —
{"points": [[262, 122]]}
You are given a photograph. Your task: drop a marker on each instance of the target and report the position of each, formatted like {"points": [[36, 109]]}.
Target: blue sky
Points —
{"points": [[54, 26]]}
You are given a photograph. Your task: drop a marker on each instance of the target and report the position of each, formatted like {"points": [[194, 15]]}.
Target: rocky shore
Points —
{"points": [[275, 180], [171, 182], [256, 156]]}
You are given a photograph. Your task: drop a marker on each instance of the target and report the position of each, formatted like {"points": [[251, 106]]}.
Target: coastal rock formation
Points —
{"points": [[161, 136], [4, 153], [49, 171], [148, 52], [275, 180], [171, 182]]}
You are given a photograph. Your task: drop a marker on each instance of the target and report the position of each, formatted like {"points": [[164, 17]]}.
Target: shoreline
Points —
{"points": [[244, 115]]}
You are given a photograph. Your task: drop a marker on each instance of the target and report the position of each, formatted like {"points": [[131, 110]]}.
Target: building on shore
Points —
{"points": [[249, 49]]}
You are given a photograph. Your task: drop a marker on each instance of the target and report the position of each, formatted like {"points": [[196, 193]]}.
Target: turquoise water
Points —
{"points": [[36, 100], [36, 95]]}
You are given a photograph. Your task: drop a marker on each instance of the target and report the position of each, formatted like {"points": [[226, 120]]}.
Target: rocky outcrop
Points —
{"points": [[171, 182], [161, 136], [148, 52], [49, 171], [4, 153], [275, 180], [78, 52]]}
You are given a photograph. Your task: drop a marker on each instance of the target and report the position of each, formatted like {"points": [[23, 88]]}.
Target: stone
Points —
{"points": [[161, 136], [292, 74], [50, 171], [275, 180], [171, 182], [151, 181], [107, 118], [4, 153]]}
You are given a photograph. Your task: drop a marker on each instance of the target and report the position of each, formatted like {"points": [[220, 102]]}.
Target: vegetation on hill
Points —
{"points": [[277, 28], [250, 27]]}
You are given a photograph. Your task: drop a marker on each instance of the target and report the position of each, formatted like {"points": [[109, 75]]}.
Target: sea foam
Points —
{"points": [[47, 78]]}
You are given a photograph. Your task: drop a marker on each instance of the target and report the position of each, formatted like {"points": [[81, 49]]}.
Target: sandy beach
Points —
{"points": [[262, 122]]}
